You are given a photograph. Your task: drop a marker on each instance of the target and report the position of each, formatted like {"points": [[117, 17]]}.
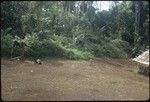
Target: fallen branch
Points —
{"points": [[15, 58]]}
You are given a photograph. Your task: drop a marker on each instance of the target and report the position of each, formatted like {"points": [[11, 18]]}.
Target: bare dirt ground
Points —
{"points": [[59, 79]]}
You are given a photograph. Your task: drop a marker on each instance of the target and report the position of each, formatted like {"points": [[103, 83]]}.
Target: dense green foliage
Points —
{"points": [[74, 29]]}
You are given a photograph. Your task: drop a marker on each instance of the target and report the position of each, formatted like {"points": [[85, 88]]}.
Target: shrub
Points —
{"points": [[77, 54], [109, 50], [121, 44], [6, 44], [59, 46], [33, 43], [40, 48], [112, 51], [55, 46]]}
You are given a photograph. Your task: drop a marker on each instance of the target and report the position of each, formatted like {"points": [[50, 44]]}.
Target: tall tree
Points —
{"points": [[138, 25]]}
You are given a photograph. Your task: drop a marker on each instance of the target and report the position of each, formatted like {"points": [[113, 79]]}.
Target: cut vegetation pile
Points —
{"points": [[143, 58], [143, 62]]}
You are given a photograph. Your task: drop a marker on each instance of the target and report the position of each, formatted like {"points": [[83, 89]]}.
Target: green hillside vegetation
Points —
{"points": [[75, 29]]}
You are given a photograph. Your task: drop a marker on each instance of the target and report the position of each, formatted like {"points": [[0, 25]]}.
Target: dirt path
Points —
{"points": [[58, 79]]}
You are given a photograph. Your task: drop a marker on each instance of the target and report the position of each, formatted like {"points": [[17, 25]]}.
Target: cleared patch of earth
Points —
{"points": [[59, 79]]}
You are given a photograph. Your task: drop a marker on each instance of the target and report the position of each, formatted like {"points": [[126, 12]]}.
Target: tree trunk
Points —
{"points": [[138, 22]]}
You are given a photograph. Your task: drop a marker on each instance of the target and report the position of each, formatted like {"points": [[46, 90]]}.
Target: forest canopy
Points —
{"points": [[75, 29]]}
